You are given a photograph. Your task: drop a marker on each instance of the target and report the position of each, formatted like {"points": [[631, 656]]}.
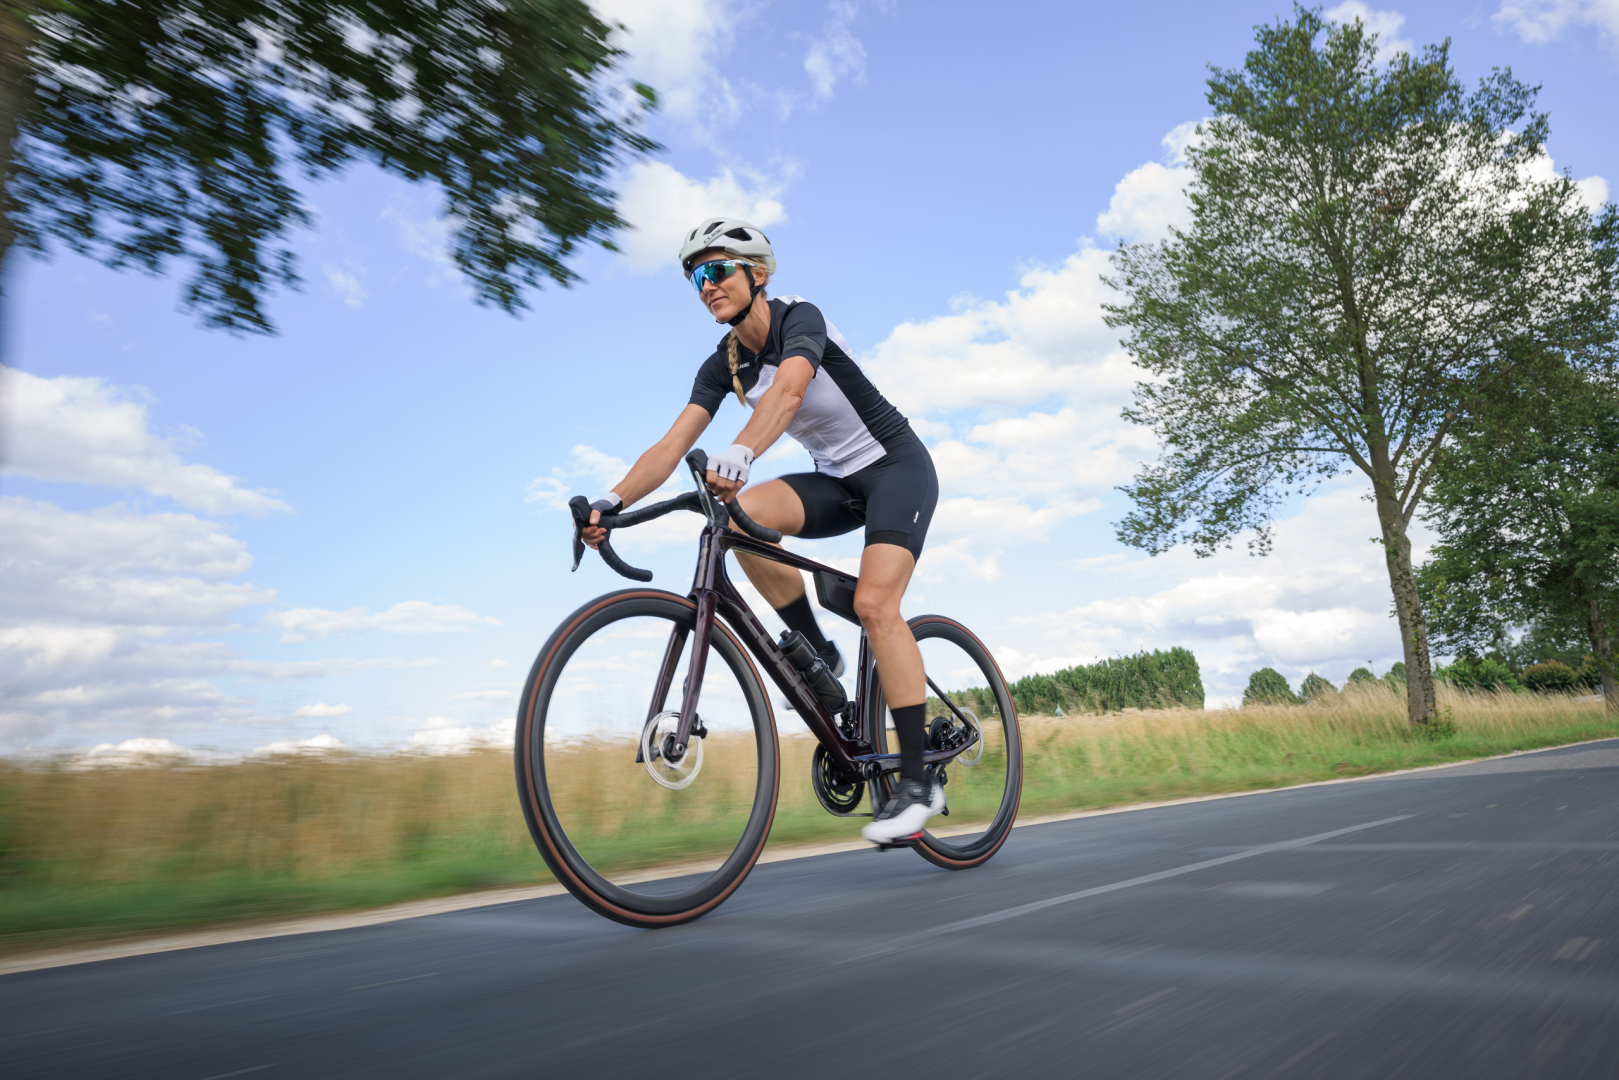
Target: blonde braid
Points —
{"points": [[734, 359]]}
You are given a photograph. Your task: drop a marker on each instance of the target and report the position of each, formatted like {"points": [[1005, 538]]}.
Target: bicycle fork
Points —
{"points": [[701, 635]]}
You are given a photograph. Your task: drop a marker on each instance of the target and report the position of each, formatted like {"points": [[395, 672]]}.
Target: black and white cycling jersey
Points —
{"points": [[844, 423]]}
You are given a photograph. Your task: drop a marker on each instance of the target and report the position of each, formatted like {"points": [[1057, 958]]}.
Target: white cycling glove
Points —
{"points": [[733, 464]]}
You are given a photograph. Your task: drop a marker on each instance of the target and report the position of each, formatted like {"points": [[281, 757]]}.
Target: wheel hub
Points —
{"points": [[669, 766]]}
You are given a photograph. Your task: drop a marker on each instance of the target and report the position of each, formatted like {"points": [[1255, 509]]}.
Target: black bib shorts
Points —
{"points": [[893, 497]]}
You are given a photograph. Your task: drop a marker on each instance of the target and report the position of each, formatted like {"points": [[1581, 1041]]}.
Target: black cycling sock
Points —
{"points": [[910, 724], [799, 616]]}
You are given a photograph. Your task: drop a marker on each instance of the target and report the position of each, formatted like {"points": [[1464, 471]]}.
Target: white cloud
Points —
{"points": [[441, 735], [132, 753], [1542, 21], [83, 431], [1152, 197], [321, 711], [836, 54], [406, 617], [1319, 602], [346, 283], [675, 46], [497, 663], [661, 204], [1593, 190], [1385, 24], [102, 617], [315, 744]]}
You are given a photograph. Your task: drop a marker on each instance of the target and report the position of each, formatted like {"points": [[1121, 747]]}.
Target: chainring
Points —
{"points": [[838, 790]]}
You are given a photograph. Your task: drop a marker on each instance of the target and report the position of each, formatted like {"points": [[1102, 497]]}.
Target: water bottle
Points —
{"points": [[804, 657]]}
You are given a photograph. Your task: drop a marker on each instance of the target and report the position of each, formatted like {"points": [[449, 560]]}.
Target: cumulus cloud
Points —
{"points": [[1385, 24], [346, 284], [132, 753], [1541, 21], [836, 53], [1021, 399], [315, 744], [1152, 197], [675, 45], [406, 617], [442, 735], [83, 431], [321, 711], [1319, 602], [661, 204]]}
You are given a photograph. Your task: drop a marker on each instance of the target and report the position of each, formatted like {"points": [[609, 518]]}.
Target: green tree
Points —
{"points": [[1362, 239], [143, 132], [1527, 511], [1315, 688], [1267, 686]]}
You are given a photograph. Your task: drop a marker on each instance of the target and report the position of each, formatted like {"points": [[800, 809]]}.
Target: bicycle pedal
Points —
{"points": [[903, 842]]}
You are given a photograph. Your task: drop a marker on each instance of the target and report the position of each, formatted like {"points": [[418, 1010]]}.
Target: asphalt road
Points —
{"points": [[1454, 923]]}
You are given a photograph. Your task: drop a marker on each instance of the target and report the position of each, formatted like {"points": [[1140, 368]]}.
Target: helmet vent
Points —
{"points": [[739, 234], [712, 227]]}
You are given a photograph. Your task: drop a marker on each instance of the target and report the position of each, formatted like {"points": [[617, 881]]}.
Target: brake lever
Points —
{"points": [[580, 507]]}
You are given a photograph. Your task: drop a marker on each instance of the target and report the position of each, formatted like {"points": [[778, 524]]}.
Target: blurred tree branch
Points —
{"points": [[142, 132]]}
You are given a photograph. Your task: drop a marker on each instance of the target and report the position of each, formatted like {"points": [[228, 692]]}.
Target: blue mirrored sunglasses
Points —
{"points": [[715, 271]]}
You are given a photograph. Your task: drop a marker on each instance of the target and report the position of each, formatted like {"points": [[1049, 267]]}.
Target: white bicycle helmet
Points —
{"points": [[734, 237]]}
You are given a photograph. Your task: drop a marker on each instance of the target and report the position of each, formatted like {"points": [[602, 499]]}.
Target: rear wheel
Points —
{"points": [[606, 822], [982, 785]]}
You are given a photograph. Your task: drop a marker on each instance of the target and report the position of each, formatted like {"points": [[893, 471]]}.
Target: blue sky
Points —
{"points": [[352, 529]]}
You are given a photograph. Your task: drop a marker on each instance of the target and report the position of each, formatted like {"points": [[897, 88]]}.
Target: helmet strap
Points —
{"points": [[753, 297]]}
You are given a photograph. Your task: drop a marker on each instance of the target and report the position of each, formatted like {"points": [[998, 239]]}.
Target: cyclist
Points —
{"points": [[783, 360]]}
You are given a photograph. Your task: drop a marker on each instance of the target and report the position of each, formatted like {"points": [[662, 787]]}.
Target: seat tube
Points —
{"points": [[701, 633]]}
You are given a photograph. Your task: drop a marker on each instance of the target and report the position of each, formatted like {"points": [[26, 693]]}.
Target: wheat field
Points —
{"points": [[91, 852]]}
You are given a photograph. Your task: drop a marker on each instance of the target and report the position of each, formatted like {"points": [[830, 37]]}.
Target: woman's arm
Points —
{"points": [[771, 416], [652, 468]]}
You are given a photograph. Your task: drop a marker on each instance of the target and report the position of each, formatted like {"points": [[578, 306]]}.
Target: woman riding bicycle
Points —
{"points": [[789, 365]]}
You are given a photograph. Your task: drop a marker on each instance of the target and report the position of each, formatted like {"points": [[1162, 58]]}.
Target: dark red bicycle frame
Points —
{"points": [[715, 595]]}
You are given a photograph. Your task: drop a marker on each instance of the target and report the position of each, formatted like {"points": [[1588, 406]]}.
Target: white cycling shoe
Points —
{"points": [[905, 815]]}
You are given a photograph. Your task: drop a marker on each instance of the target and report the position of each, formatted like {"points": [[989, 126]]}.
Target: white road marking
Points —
{"points": [[1144, 879]]}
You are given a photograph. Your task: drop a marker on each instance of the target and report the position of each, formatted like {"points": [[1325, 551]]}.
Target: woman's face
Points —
{"points": [[731, 296]]}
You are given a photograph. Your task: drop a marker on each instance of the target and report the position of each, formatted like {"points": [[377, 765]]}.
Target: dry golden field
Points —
{"points": [[86, 852]]}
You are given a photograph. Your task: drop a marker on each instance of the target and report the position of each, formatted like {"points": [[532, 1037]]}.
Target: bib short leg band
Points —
{"points": [[894, 498]]}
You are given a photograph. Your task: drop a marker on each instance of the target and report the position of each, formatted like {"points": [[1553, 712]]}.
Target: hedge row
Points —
{"points": [[1149, 680]]}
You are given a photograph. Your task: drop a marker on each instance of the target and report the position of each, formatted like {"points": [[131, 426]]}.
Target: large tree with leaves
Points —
{"points": [[1526, 504], [145, 132], [1364, 238]]}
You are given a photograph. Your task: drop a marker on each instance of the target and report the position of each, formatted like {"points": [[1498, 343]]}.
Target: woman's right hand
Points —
{"points": [[593, 534]]}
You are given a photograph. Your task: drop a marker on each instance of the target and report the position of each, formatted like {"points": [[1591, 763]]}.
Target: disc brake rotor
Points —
{"points": [[974, 753], [657, 736]]}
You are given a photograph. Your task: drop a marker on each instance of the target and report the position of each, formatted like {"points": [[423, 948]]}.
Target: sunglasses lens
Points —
{"points": [[711, 273]]}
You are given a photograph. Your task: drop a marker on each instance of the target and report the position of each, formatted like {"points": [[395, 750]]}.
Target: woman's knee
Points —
{"points": [[876, 605]]}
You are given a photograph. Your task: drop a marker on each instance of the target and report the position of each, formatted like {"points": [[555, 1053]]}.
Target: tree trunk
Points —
{"points": [[1602, 647], [1421, 705]]}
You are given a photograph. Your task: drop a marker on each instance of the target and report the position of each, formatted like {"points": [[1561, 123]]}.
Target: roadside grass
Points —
{"points": [[101, 853]]}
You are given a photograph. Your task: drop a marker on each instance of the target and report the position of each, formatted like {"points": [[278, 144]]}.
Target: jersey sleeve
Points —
{"points": [[713, 382], [803, 333]]}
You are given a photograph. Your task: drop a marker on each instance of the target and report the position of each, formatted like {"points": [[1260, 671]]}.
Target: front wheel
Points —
{"points": [[606, 806], [982, 785]]}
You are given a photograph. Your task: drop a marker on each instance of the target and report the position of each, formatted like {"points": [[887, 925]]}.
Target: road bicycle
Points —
{"points": [[614, 782]]}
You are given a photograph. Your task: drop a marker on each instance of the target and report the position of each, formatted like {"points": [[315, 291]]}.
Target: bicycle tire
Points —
{"points": [[946, 851], [535, 789]]}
